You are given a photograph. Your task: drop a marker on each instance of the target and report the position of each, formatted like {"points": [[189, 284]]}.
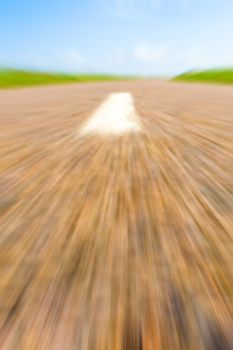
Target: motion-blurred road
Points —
{"points": [[116, 241]]}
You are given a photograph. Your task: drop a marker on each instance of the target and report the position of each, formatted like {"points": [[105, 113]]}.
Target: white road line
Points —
{"points": [[117, 115]]}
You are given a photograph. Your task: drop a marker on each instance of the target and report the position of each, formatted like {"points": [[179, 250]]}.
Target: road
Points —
{"points": [[116, 236]]}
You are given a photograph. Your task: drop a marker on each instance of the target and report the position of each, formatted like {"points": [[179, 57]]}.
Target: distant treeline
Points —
{"points": [[221, 76], [19, 78]]}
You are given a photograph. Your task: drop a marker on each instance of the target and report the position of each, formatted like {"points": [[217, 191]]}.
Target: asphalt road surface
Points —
{"points": [[116, 217]]}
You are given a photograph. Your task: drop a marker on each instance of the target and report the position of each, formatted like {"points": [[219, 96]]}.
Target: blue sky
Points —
{"points": [[116, 36]]}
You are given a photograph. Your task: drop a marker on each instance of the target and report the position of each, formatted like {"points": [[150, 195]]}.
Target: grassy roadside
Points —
{"points": [[22, 78], [218, 76]]}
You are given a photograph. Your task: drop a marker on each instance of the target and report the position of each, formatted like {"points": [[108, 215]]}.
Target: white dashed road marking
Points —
{"points": [[117, 115]]}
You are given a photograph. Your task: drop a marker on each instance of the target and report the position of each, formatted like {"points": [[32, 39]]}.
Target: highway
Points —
{"points": [[116, 217]]}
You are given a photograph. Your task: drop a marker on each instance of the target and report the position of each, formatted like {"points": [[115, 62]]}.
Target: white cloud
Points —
{"points": [[27, 60], [71, 60], [201, 57], [149, 53], [74, 57], [67, 60], [115, 57]]}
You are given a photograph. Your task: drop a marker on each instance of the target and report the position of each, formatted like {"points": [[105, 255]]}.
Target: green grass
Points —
{"points": [[22, 78], [219, 76]]}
